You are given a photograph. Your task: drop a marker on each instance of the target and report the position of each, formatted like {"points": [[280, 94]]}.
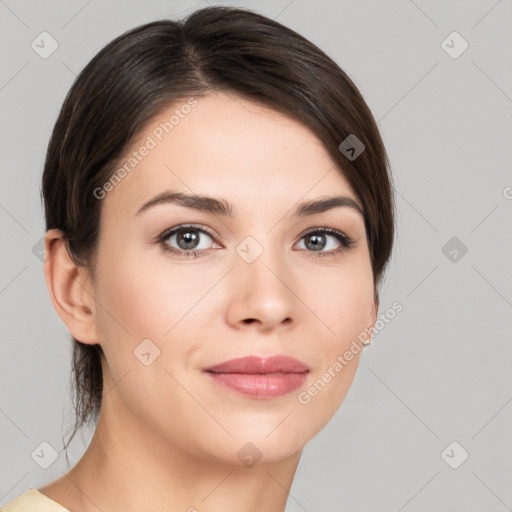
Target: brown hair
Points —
{"points": [[149, 68]]}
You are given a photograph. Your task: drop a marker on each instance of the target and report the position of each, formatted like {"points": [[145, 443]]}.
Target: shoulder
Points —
{"points": [[33, 501]]}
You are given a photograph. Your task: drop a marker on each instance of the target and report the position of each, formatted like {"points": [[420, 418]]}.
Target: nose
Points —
{"points": [[261, 293]]}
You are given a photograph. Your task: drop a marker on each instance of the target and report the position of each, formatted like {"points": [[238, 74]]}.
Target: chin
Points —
{"points": [[255, 446]]}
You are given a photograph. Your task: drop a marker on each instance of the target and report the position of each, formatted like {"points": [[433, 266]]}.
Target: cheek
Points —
{"points": [[144, 299], [139, 303], [343, 303]]}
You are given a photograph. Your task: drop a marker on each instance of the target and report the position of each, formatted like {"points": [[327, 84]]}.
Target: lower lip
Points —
{"points": [[260, 385]]}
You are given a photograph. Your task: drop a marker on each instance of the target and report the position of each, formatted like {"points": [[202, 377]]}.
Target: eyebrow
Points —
{"points": [[222, 207]]}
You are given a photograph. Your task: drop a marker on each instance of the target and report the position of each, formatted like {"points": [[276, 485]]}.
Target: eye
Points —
{"points": [[189, 243], [188, 240], [318, 239]]}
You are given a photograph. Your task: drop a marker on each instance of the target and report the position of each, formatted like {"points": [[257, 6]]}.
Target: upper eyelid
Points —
{"points": [[171, 231]]}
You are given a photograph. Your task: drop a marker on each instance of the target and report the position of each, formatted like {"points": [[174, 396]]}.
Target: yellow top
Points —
{"points": [[33, 501]]}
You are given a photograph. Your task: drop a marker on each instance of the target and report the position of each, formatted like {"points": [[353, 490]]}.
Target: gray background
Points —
{"points": [[439, 372]]}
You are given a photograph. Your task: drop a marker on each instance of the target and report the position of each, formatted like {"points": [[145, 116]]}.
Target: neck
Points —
{"points": [[129, 467]]}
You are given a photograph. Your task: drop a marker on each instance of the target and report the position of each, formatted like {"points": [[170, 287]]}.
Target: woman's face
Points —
{"points": [[266, 281]]}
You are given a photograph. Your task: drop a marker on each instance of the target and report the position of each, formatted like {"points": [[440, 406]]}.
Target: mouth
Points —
{"points": [[260, 378]]}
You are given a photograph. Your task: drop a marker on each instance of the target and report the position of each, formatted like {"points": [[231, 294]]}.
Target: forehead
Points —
{"points": [[224, 145]]}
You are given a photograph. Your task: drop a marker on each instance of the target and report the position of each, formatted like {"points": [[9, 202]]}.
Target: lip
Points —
{"points": [[259, 377], [255, 364]]}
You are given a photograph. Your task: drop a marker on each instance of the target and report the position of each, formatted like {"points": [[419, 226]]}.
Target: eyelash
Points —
{"points": [[345, 241]]}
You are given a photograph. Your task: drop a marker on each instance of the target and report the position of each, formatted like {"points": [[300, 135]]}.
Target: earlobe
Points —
{"points": [[70, 289]]}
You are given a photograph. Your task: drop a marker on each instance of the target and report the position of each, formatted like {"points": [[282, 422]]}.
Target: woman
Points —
{"points": [[219, 214]]}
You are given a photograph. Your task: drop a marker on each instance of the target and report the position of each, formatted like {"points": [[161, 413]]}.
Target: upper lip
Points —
{"points": [[263, 365]]}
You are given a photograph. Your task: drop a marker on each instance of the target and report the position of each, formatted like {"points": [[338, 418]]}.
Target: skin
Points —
{"points": [[168, 437]]}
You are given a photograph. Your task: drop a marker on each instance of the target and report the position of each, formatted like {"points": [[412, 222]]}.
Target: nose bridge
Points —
{"points": [[262, 282], [262, 259]]}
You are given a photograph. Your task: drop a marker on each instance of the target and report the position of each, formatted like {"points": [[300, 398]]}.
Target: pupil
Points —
{"points": [[316, 241], [189, 238]]}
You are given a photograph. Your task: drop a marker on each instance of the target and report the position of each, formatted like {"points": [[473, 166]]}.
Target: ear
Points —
{"points": [[70, 289]]}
